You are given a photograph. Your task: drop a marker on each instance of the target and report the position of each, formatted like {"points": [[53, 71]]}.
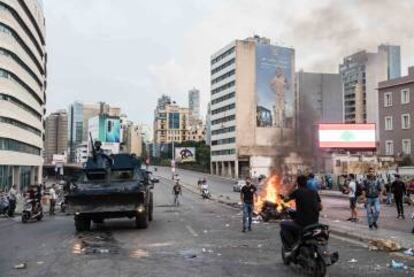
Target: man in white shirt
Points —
{"points": [[52, 200], [12, 200], [352, 188]]}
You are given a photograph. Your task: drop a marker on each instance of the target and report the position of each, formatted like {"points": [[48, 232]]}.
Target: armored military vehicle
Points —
{"points": [[111, 186]]}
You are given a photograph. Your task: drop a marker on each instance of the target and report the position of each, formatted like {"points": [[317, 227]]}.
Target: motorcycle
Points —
{"points": [[205, 194], [31, 210], [4, 204], [311, 251]]}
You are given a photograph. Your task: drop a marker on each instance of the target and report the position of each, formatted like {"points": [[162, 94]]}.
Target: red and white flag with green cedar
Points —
{"points": [[347, 135]]}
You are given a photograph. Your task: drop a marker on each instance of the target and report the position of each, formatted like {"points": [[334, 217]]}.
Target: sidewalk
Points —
{"points": [[362, 233]]}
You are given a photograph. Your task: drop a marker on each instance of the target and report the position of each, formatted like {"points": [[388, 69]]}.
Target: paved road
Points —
{"points": [[199, 238], [334, 207]]}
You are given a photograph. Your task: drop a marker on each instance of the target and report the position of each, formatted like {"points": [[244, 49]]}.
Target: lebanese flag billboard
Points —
{"points": [[347, 136]]}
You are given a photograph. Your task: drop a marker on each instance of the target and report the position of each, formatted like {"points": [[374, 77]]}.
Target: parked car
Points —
{"points": [[238, 185]]}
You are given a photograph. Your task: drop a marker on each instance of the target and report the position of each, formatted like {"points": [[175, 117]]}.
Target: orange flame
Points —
{"points": [[270, 192]]}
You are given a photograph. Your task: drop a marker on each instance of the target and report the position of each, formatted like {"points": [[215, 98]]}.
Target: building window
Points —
{"points": [[405, 96], [389, 147], [223, 152], [388, 123], [405, 121], [21, 125], [7, 144], [223, 141], [406, 146], [223, 119], [174, 121], [387, 99], [224, 130], [223, 109]]}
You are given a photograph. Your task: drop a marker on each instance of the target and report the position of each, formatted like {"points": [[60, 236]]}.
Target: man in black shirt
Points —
{"points": [[308, 206], [247, 194], [399, 190]]}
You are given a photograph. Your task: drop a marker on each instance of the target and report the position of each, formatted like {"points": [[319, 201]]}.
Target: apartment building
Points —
{"points": [[252, 106], [396, 112]]}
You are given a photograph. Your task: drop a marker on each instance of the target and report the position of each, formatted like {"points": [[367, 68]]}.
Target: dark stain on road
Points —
{"points": [[95, 243]]}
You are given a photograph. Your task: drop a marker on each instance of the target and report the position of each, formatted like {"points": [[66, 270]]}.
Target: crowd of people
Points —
{"points": [[371, 191], [9, 198]]}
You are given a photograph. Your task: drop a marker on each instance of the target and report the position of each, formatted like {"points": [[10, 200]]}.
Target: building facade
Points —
{"points": [[361, 72], [22, 92], [194, 105], [319, 101], [78, 118], [252, 107], [56, 135], [171, 122], [396, 112]]}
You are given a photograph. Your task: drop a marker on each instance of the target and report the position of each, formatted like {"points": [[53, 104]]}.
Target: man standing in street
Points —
{"points": [[247, 195], [52, 200], [372, 192], [12, 201], [399, 189], [352, 189]]}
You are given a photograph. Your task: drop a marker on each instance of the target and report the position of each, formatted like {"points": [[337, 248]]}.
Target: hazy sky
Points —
{"points": [[129, 52]]}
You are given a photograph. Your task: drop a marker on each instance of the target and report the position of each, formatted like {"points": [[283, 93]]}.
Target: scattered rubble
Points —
{"points": [[385, 245], [352, 260], [20, 266], [409, 252]]}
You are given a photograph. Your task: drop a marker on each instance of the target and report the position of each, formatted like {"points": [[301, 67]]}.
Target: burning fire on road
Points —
{"points": [[269, 197]]}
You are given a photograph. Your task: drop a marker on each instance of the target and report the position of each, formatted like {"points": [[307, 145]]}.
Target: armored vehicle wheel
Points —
{"points": [[82, 224], [142, 220]]}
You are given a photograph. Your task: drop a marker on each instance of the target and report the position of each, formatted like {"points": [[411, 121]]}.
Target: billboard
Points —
{"points": [[274, 86], [360, 136], [185, 154], [112, 130], [107, 130]]}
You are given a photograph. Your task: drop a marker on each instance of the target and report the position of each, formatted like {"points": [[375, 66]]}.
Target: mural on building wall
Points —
{"points": [[274, 86]]}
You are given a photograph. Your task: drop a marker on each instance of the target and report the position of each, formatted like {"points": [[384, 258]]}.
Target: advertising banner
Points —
{"points": [[112, 130], [185, 154], [360, 136], [275, 86]]}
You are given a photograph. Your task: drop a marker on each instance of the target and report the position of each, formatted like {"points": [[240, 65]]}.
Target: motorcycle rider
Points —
{"points": [[204, 185], [308, 206]]}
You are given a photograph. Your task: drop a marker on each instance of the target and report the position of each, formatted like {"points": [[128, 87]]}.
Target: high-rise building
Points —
{"points": [[56, 135], [396, 112], [319, 101], [171, 122], [194, 105], [78, 118], [361, 72], [252, 107], [22, 92]]}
